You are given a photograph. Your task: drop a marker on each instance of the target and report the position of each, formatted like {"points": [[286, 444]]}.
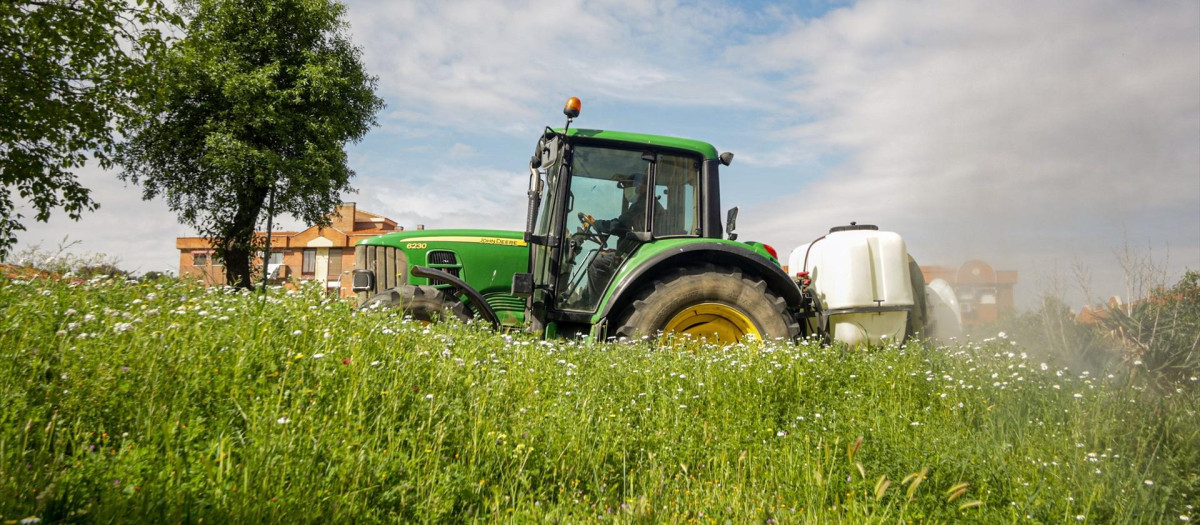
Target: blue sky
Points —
{"points": [[1038, 136]]}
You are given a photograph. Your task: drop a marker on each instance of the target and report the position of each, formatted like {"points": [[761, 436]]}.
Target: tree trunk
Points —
{"points": [[237, 267], [239, 240]]}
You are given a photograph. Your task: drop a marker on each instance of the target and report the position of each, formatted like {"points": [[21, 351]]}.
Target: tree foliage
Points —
{"points": [[259, 97], [70, 70]]}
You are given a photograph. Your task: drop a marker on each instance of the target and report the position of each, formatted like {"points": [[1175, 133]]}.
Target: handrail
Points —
{"points": [[476, 299]]}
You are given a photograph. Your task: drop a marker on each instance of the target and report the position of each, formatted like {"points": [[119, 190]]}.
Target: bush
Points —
{"points": [[1158, 335], [1162, 332], [61, 261]]}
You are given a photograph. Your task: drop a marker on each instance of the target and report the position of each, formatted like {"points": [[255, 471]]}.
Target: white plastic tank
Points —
{"points": [[941, 303], [856, 268]]}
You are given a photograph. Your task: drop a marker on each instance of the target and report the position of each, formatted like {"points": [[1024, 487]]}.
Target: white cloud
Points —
{"points": [[479, 63], [447, 197], [139, 234], [461, 151], [1018, 132]]}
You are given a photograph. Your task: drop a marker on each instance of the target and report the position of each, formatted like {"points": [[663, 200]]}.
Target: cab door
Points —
{"points": [[606, 207], [547, 228]]}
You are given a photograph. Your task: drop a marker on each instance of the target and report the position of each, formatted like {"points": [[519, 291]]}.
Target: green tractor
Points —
{"points": [[623, 239]]}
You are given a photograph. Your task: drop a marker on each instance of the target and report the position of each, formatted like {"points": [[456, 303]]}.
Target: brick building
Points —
{"points": [[984, 294], [314, 254]]}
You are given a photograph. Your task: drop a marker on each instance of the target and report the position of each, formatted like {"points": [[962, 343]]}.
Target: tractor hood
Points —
{"points": [[466, 236], [484, 259]]}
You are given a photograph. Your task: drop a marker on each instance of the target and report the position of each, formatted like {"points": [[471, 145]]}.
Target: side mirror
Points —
{"points": [[536, 160], [535, 199], [731, 223]]}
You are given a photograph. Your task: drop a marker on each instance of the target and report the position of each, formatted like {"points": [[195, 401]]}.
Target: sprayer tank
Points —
{"points": [[861, 276]]}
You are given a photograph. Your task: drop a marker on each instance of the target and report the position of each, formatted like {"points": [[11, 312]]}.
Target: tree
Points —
{"points": [[69, 70], [258, 100]]}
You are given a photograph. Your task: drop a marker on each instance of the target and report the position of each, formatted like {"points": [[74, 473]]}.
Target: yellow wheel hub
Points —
{"points": [[721, 322]]}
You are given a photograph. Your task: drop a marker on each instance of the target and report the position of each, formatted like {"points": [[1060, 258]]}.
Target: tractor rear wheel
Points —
{"points": [[719, 304], [423, 303]]}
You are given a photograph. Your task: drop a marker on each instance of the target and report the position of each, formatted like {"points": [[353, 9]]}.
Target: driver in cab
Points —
{"points": [[632, 219]]}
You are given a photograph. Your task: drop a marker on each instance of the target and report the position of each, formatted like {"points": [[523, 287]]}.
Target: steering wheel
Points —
{"points": [[587, 230]]}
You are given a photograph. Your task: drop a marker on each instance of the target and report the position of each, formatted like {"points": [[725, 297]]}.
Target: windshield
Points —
{"points": [[606, 202]]}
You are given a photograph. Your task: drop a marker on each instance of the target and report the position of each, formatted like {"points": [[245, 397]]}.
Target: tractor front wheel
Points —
{"points": [[423, 303], [721, 305]]}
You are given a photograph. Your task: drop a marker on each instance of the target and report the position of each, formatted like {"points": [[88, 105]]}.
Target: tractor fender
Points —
{"points": [[721, 253]]}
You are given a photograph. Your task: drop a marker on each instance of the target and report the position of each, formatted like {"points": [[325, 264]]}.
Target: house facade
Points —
{"points": [[322, 254], [984, 293]]}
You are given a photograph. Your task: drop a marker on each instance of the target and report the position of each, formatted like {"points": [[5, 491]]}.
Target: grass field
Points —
{"points": [[166, 402]]}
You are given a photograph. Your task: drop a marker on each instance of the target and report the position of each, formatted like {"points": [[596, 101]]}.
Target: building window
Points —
{"points": [[309, 264], [335, 263], [199, 259], [217, 260], [276, 258]]}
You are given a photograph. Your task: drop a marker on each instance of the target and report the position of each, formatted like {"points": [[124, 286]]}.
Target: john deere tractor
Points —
{"points": [[623, 238]]}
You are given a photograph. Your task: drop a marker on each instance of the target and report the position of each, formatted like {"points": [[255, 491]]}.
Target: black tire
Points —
{"points": [[666, 298], [919, 316], [423, 303]]}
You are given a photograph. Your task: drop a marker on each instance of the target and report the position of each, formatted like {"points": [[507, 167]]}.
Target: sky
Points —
{"points": [[1048, 138]]}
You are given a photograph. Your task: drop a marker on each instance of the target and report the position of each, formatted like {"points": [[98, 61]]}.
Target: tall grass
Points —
{"points": [[165, 402]]}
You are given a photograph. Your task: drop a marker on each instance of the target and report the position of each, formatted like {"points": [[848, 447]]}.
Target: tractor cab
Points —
{"points": [[595, 199]]}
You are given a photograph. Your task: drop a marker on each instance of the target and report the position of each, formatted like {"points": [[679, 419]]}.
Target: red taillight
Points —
{"points": [[802, 275], [771, 251]]}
